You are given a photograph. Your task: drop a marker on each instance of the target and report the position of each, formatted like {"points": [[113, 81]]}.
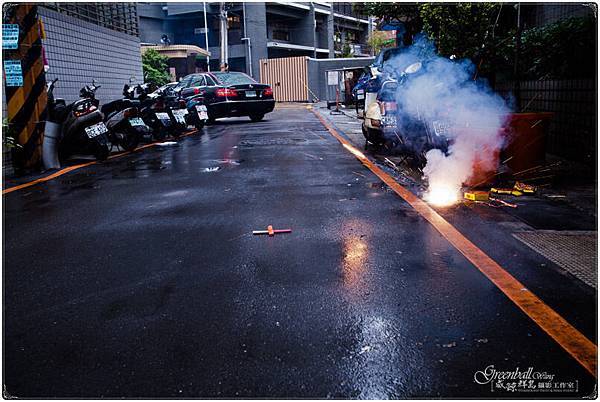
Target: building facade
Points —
{"points": [[80, 42], [91, 41], [257, 31]]}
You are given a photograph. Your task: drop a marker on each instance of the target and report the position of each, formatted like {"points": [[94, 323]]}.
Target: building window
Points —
{"points": [[281, 32], [234, 22], [345, 8]]}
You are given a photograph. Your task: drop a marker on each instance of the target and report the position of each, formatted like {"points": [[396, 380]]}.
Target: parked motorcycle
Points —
{"points": [[125, 126], [413, 136], [74, 128], [177, 110], [197, 113], [152, 108]]}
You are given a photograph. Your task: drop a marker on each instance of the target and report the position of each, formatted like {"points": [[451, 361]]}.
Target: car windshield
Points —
{"points": [[234, 78]]}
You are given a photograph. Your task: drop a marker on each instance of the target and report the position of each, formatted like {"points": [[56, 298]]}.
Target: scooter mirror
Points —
{"points": [[131, 79]]}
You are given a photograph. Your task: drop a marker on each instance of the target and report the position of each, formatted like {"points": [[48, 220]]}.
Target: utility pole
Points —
{"points": [[249, 47], [206, 39], [223, 30], [314, 28]]}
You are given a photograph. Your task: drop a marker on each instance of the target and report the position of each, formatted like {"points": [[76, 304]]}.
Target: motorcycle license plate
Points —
{"points": [[360, 94], [201, 109], [440, 128], [162, 116], [136, 121], [96, 130], [250, 94], [180, 115]]}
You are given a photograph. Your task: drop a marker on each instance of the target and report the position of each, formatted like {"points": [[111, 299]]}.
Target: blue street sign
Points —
{"points": [[10, 36], [13, 73]]}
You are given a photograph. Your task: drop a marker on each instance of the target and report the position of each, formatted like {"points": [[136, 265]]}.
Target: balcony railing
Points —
{"points": [[356, 49]]}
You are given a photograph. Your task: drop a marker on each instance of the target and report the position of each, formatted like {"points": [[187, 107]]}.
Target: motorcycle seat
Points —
{"points": [[115, 105]]}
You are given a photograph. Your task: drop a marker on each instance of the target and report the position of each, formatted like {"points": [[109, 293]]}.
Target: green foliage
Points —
{"points": [[486, 34], [346, 50], [564, 49], [378, 41], [155, 68], [460, 29], [8, 136]]}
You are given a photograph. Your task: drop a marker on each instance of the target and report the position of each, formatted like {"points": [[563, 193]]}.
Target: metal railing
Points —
{"points": [[121, 17], [573, 129]]}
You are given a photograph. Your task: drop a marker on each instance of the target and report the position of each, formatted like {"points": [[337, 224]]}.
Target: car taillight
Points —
{"points": [[158, 105], [83, 110], [181, 103], [226, 93], [197, 91], [268, 91]]}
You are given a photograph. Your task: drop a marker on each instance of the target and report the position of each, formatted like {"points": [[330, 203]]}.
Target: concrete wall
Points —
{"points": [[256, 29], [304, 32], [317, 81], [78, 51], [151, 30]]}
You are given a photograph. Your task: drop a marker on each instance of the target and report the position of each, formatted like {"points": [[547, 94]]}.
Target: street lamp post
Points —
{"points": [[223, 17], [206, 39], [249, 56], [246, 38]]}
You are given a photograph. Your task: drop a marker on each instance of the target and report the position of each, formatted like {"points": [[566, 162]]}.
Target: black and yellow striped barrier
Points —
{"points": [[26, 104]]}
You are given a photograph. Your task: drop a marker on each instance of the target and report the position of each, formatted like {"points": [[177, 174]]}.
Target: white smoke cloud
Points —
{"points": [[444, 91]]}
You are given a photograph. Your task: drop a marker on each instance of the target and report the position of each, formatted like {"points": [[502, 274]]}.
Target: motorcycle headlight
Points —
{"points": [[413, 68]]}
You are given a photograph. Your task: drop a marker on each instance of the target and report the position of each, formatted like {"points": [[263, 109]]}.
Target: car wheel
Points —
{"points": [[256, 117]]}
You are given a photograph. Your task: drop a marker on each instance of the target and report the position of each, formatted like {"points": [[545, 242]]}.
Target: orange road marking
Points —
{"points": [[75, 167], [568, 337], [46, 178]]}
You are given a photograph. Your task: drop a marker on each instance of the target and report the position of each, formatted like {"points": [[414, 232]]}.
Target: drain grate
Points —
{"points": [[574, 251]]}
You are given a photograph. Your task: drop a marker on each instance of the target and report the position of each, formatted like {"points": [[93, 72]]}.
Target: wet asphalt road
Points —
{"points": [[139, 277]]}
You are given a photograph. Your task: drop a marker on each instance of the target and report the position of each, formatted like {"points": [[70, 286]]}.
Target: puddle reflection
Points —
{"points": [[355, 256]]}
